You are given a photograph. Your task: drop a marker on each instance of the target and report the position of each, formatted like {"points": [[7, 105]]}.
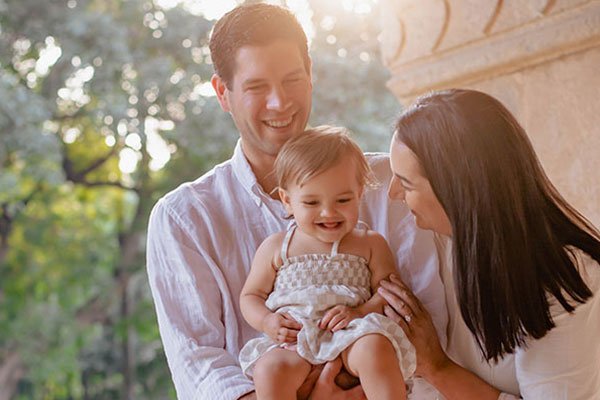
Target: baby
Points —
{"points": [[310, 289]]}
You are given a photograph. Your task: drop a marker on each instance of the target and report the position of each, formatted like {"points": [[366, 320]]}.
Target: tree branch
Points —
{"points": [[99, 162], [80, 177]]}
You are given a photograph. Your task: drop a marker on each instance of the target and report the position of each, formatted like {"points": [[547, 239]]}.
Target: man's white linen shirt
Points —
{"points": [[201, 241]]}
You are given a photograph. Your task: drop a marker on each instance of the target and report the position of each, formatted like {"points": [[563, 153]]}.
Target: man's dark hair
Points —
{"points": [[253, 25]]}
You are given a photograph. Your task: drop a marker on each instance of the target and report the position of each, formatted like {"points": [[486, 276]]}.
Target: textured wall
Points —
{"points": [[540, 57]]}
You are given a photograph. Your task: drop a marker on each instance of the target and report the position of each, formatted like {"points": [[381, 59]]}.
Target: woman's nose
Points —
{"points": [[395, 190]]}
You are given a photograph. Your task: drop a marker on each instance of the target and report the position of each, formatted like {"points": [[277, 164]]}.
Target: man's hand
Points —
{"points": [[326, 389], [339, 317], [281, 327]]}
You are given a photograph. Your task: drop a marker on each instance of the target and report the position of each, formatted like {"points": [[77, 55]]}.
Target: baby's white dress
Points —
{"points": [[306, 287]]}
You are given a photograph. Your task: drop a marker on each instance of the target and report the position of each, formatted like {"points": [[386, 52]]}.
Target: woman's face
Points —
{"points": [[409, 184]]}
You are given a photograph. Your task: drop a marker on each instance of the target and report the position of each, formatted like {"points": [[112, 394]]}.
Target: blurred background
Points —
{"points": [[105, 105]]}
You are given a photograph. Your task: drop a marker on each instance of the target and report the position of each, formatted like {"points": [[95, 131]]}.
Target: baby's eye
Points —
{"points": [[310, 203], [345, 200]]}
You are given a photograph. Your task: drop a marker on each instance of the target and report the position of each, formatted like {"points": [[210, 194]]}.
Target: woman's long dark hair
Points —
{"points": [[511, 229]]}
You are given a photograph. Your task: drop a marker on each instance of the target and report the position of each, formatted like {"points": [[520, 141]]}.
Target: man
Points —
{"points": [[203, 235]]}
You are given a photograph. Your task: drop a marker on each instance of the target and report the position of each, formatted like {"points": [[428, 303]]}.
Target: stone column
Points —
{"points": [[541, 58]]}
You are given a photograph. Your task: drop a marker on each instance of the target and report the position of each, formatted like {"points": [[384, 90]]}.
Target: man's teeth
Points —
{"points": [[280, 123]]}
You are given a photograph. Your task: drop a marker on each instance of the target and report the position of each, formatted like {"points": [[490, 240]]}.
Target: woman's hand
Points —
{"points": [[339, 317], [281, 327], [407, 311]]}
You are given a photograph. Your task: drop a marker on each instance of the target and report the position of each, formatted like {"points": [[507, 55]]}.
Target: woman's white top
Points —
{"points": [[564, 364]]}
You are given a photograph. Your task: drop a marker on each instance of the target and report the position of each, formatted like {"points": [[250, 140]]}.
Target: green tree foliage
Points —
{"points": [[104, 110], [349, 80]]}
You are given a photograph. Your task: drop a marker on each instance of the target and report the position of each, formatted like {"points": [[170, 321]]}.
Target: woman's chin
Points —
{"points": [[420, 224]]}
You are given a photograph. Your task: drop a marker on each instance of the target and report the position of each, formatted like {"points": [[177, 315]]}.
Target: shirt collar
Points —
{"points": [[244, 174]]}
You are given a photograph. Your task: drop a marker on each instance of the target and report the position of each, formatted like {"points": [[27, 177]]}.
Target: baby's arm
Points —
{"points": [[381, 264], [278, 326]]}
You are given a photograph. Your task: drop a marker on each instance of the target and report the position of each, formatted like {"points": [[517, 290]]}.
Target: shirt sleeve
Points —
{"points": [[188, 301]]}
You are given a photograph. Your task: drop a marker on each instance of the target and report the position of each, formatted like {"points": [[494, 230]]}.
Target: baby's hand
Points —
{"points": [[339, 317], [281, 327]]}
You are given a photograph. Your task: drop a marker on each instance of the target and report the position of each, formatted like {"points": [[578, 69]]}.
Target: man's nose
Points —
{"points": [[278, 99]]}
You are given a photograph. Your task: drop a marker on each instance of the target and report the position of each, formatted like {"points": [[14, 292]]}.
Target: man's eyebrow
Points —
{"points": [[255, 81], [298, 71]]}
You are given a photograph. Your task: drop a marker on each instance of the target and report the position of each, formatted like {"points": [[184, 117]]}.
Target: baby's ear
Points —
{"points": [[285, 199]]}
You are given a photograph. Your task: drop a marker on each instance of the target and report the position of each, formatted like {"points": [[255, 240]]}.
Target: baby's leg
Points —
{"points": [[373, 359], [279, 373]]}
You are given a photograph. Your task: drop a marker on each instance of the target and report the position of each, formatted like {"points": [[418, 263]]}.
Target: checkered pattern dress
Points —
{"points": [[306, 287]]}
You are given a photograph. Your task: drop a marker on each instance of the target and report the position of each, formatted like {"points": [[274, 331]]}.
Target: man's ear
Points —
{"points": [[221, 90], [285, 199], [310, 72]]}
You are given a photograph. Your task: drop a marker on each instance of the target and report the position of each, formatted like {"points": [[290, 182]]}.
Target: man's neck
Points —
{"points": [[264, 170], [265, 176]]}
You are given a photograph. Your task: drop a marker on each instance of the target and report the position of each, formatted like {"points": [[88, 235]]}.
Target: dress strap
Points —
{"points": [[336, 244], [363, 224], [334, 248], [286, 242]]}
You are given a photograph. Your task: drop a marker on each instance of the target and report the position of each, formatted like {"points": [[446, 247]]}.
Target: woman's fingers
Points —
{"points": [[408, 294], [397, 318], [395, 300], [403, 294]]}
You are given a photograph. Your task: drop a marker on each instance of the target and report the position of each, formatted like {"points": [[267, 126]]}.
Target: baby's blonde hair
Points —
{"points": [[315, 151]]}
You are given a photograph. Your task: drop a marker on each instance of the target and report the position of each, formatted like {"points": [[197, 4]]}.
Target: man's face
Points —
{"points": [[269, 97]]}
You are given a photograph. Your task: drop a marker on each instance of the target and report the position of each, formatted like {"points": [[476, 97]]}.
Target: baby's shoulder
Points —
{"points": [[273, 242], [271, 245], [364, 241], [366, 235]]}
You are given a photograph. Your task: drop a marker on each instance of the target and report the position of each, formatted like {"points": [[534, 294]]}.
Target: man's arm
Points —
{"points": [[188, 300]]}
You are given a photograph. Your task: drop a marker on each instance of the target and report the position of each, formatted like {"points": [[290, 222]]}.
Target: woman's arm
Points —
{"points": [[450, 379], [280, 327]]}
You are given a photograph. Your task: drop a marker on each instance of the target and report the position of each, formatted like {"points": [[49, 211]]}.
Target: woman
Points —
{"points": [[519, 264]]}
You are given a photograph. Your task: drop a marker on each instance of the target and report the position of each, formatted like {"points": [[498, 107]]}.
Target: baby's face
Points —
{"points": [[326, 206]]}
